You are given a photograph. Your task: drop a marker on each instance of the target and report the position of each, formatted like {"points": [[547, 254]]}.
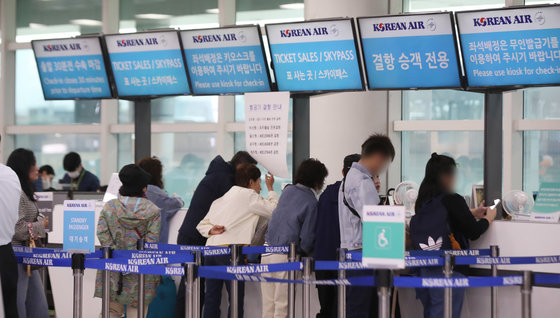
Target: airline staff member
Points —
{"points": [[79, 178]]}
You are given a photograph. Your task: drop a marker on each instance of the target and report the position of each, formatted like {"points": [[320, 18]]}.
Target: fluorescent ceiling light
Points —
{"points": [[36, 25], [213, 11], [87, 22], [153, 16], [292, 6]]}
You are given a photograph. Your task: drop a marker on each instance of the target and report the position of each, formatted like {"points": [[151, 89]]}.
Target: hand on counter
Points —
{"points": [[480, 211]]}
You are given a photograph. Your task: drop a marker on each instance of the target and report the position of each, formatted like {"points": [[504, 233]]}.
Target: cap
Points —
{"points": [[133, 178]]}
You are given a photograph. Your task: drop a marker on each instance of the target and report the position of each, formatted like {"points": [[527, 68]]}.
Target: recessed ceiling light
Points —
{"points": [[292, 6], [36, 25], [153, 16], [213, 11], [87, 22]]}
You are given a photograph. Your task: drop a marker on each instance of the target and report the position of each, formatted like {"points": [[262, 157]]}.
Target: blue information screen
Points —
{"points": [[315, 56], [226, 60], [72, 68], [410, 51], [511, 47], [79, 226], [147, 64]]}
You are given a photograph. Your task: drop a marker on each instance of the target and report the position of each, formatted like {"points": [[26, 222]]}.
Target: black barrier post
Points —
{"points": [[196, 299], [291, 286], [448, 292], [189, 290], [140, 247], [107, 253], [495, 252], [234, 296], [384, 281], [526, 290], [78, 267], [341, 288], [307, 273]]}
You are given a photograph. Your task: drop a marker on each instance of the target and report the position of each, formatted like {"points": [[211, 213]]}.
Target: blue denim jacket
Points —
{"points": [[359, 190]]}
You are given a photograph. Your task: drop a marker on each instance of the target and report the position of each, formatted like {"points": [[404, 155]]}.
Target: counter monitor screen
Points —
{"points": [[315, 56], [511, 47], [226, 60], [72, 68], [147, 64], [410, 51]]}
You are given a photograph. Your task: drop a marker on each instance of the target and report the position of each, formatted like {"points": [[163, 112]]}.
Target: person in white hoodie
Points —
{"points": [[233, 219]]}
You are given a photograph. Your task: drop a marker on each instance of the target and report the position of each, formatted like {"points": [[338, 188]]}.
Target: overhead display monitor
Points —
{"points": [[147, 64], [410, 51], [226, 60], [72, 68], [512, 47], [315, 56]]}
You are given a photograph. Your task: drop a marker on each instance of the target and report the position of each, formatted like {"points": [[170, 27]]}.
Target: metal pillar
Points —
{"points": [[300, 132], [234, 289], [196, 299], [341, 288], [448, 292], [384, 282], [142, 129], [106, 277], [495, 252], [189, 290], [493, 147], [526, 290], [292, 257], [78, 266], [307, 272], [140, 247]]}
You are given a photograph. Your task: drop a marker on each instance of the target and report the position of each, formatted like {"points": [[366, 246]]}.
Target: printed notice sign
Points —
{"points": [[79, 226], [511, 47], [147, 64], [45, 206], [266, 130], [383, 236], [226, 60], [315, 56], [410, 51], [547, 205], [72, 68]]}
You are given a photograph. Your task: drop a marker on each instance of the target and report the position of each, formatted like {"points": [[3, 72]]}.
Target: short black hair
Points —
{"points": [[242, 157], [378, 143], [246, 172], [48, 169], [348, 161], [311, 173], [71, 161]]}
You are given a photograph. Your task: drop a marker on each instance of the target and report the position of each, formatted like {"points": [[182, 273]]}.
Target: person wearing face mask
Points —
{"points": [[232, 219], [79, 178], [45, 181], [294, 220]]}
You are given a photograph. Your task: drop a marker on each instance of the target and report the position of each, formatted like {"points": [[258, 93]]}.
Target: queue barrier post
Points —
{"points": [[196, 299], [384, 281], [307, 277], [449, 260], [494, 252], [106, 277], [140, 247], [78, 267], [234, 289], [291, 286], [526, 290], [189, 290], [341, 308]]}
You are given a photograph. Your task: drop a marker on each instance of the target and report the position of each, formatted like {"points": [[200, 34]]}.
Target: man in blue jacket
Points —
{"points": [[79, 178], [219, 178], [327, 241]]}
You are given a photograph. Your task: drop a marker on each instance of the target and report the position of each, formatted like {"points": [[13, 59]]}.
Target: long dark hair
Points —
{"points": [[437, 166], [153, 166], [21, 161]]}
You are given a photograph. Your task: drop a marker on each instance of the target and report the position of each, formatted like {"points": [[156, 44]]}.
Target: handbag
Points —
{"points": [[33, 242]]}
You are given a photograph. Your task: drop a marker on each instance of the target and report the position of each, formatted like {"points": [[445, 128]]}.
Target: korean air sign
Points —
{"points": [[288, 33], [501, 20]]}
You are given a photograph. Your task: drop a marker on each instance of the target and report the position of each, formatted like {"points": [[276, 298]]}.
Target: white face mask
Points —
{"points": [[74, 174], [46, 183]]}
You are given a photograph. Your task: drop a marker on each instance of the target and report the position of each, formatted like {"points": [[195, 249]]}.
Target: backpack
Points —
{"points": [[429, 227]]}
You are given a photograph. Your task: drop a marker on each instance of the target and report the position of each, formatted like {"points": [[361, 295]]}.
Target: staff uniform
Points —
{"points": [[86, 181]]}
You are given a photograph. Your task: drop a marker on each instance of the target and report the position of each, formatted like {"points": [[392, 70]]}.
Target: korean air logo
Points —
{"points": [[431, 24], [206, 38], [141, 42], [289, 33], [539, 17], [400, 26], [333, 30], [503, 20], [241, 37], [62, 47]]}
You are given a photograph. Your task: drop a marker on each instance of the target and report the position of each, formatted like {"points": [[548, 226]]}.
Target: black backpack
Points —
{"points": [[429, 227]]}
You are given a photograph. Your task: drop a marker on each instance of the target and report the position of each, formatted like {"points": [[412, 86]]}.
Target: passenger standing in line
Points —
{"points": [[219, 178], [358, 189], [79, 178], [10, 193], [294, 220], [124, 221], [31, 299], [327, 241], [444, 221], [233, 219]]}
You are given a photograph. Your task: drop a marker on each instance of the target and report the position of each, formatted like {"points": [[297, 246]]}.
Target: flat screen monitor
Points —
{"points": [[410, 51], [511, 47], [315, 56], [72, 68], [226, 60], [147, 64]]}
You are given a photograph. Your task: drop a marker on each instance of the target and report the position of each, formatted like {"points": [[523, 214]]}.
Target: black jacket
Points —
{"points": [[327, 233], [218, 180]]}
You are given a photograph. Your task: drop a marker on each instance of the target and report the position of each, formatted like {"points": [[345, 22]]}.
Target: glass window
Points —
{"points": [[57, 18], [50, 150], [31, 107], [185, 157], [542, 103], [449, 5], [465, 147], [271, 11], [442, 105], [175, 109], [139, 15]]}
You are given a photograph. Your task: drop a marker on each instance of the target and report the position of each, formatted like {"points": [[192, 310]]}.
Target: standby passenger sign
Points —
{"points": [[79, 226], [226, 60], [511, 46], [315, 56], [383, 236], [410, 51], [147, 64], [72, 68]]}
